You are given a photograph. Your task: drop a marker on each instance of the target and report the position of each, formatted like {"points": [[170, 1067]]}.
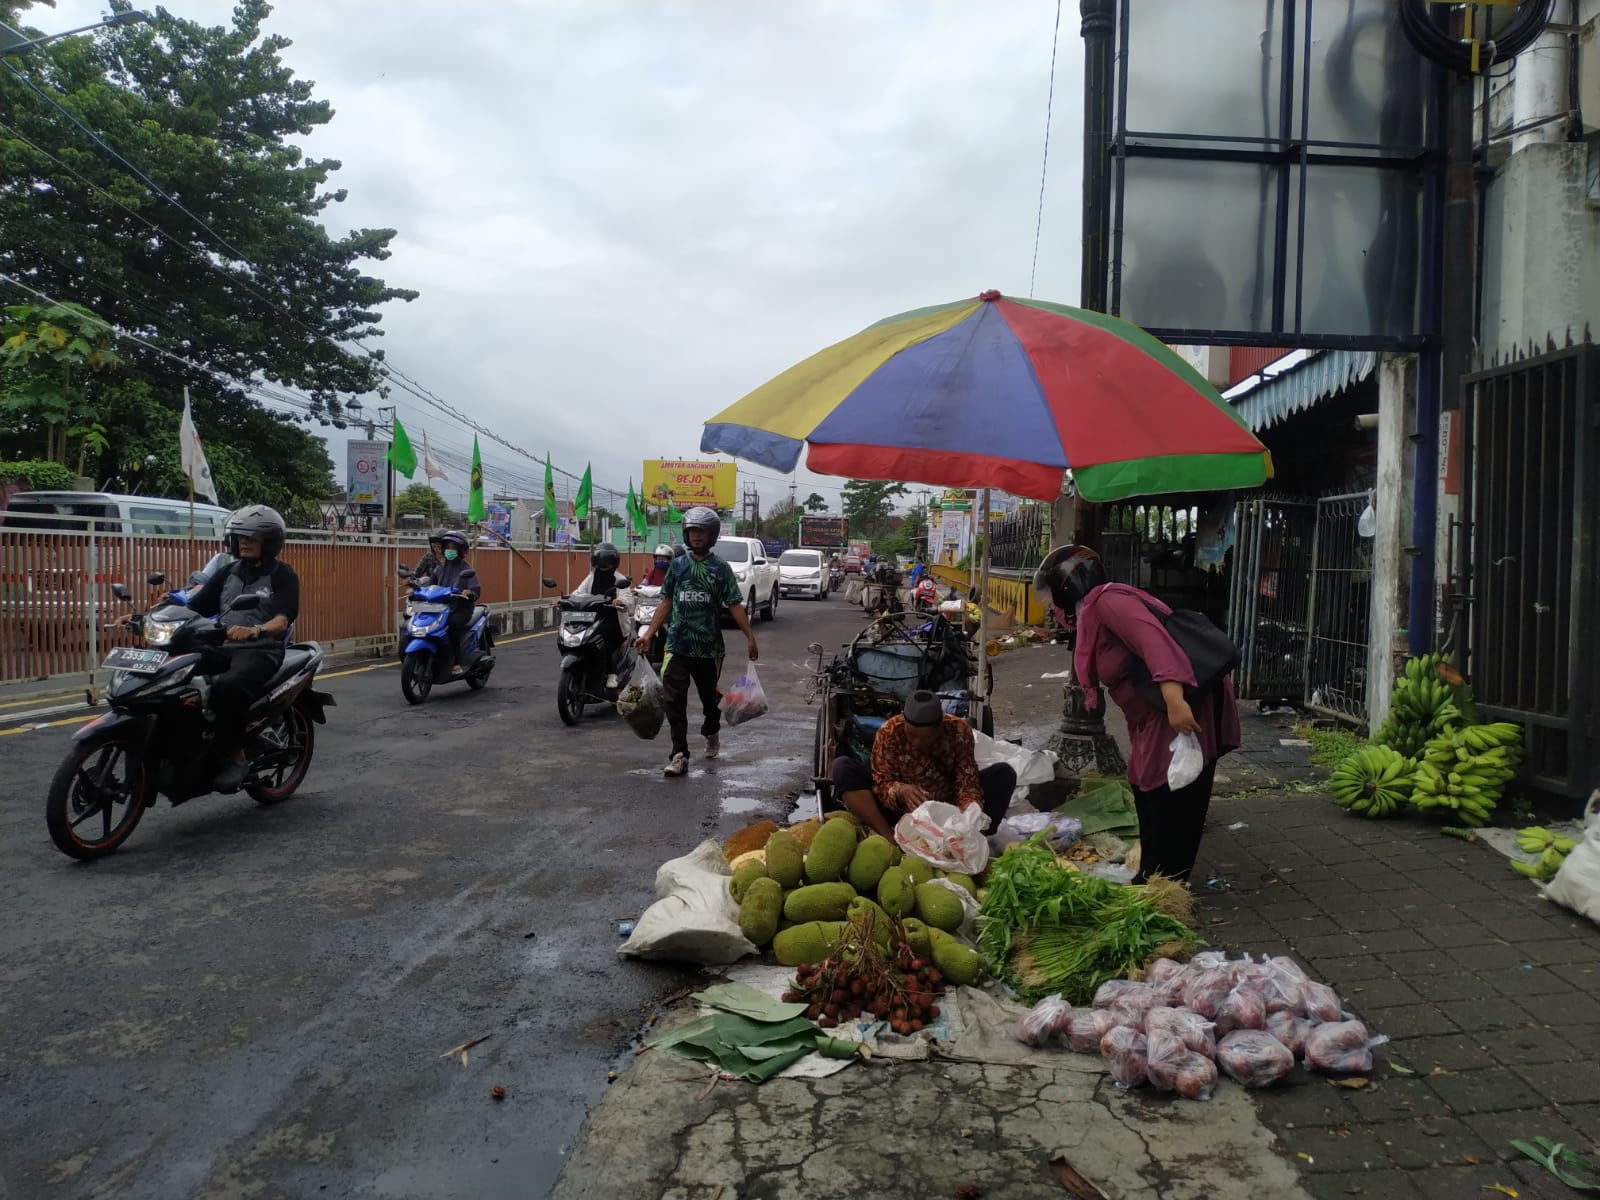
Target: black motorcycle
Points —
{"points": [[587, 665], [157, 738]]}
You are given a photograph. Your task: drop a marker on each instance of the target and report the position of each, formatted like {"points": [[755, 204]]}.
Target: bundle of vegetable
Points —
{"points": [[1046, 929], [1428, 697], [1551, 848], [1462, 771], [870, 968]]}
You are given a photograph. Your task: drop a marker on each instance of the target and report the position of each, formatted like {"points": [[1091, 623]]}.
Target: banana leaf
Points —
{"points": [[1104, 803], [741, 1047], [747, 1001]]}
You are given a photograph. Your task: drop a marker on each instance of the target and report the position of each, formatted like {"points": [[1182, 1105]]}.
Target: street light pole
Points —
{"points": [[130, 17]]}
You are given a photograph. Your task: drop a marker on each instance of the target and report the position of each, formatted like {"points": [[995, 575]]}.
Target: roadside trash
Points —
{"points": [[498, 1092], [1570, 1167], [745, 700], [1056, 675], [1276, 710], [642, 702], [624, 928], [1238, 825], [461, 1050]]}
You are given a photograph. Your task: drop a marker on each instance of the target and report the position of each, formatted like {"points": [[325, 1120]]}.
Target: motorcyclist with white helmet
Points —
{"points": [[699, 586], [657, 574]]}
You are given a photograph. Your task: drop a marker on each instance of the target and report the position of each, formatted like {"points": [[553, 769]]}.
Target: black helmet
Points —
{"points": [[453, 537], [604, 557], [701, 517], [679, 550], [1069, 574], [259, 522], [437, 536]]}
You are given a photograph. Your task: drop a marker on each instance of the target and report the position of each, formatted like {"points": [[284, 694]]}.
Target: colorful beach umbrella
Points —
{"points": [[998, 391]]}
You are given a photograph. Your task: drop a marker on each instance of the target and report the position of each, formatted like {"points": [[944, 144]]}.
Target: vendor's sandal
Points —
{"points": [[1570, 1167]]}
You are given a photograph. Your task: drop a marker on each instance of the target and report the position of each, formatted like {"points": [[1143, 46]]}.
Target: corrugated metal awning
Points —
{"points": [[1316, 379]]}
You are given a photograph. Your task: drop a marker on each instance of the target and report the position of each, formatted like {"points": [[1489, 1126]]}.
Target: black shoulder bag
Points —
{"points": [[1211, 654]]}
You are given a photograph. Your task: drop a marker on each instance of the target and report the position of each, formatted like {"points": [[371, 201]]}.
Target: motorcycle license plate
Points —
{"points": [[131, 658], [423, 609]]}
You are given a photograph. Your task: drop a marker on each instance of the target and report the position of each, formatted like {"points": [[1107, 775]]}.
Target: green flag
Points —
{"points": [[580, 506], [551, 517], [673, 515], [636, 516], [401, 454], [475, 509]]}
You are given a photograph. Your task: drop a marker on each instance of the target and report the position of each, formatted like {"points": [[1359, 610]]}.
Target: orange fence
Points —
{"points": [[55, 588]]}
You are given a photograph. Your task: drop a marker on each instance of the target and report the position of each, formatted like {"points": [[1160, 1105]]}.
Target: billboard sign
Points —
{"points": [[498, 518], [824, 532], [367, 476], [689, 482]]}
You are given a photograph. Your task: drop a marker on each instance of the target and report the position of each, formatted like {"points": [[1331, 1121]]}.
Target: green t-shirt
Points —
{"points": [[699, 592]]}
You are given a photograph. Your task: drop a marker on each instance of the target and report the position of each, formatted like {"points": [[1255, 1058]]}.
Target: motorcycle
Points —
{"points": [[588, 675], [428, 624], [157, 738], [925, 596], [649, 599]]}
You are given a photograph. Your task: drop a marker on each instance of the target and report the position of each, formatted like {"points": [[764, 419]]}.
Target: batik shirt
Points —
{"points": [[948, 771]]}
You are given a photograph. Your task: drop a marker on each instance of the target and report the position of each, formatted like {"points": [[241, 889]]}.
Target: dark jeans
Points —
{"points": [[460, 618], [233, 691], [1170, 823], [675, 680], [997, 782]]}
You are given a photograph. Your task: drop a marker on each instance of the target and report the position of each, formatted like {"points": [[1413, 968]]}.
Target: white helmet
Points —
{"points": [[662, 551], [701, 517]]}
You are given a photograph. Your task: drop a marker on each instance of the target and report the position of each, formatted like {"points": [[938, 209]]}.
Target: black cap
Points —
{"points": [[923, 709]]}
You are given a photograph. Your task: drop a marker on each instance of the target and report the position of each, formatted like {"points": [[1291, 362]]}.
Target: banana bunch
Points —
{"points": [[1428, 698], [1374, 781], [1462, 771], [1551, 848]]}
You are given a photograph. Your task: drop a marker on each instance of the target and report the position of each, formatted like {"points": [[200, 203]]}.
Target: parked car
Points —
{"points": [[804, 573], [757, 574]]}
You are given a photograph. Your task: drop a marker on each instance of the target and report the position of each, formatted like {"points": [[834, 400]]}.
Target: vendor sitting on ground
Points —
{"points": [[921, 755]]}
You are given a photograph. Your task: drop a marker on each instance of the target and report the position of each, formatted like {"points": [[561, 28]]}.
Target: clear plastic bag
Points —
{"points": [[1086, 1029], [947, 838], [1254, 1057], [643, 701], [1206, 989], [1112, 990], [1290, 1030], [1321, 1001], [1242, 1008], [1197, 1033], [745, 700], [1187, 761], [1161, 970], [1169, 991], [1132, 1005], [1126, 1055], [1046, 1022], [1341, 1048]]}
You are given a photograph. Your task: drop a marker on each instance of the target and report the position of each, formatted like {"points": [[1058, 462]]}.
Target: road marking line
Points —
{"points": [[43, 699], [381, 666], [48, 725]]}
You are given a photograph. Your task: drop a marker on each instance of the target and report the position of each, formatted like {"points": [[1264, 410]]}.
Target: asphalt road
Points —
{"points": [[253, 1002]]}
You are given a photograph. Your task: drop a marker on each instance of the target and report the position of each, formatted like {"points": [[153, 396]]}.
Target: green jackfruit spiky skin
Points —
{"points": [[743, 876], [962, 881], [960, 965], [939, 907], [895, 892], [831, 851], [784, 858], [862, 910], [819, 902], [760, 910], [918, 937], [917, 868], [806, 943], [869, 862]]}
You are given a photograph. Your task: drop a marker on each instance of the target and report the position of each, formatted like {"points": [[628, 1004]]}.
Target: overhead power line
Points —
{"points": [[1044, 167]]}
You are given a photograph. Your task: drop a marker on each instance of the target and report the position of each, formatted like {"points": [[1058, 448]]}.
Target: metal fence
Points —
{"points": [[1339, 616], [55, 587], [1020, 541], [1270, 596], [1533, 511]]}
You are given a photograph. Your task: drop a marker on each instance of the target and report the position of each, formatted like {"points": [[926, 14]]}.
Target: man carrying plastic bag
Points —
{"points": [[919, 756]]}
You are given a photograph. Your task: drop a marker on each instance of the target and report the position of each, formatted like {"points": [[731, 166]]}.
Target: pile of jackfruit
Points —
{"points": [[797, 899]]}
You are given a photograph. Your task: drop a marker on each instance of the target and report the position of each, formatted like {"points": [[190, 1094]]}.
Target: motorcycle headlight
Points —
{"points": [[159, 633]]}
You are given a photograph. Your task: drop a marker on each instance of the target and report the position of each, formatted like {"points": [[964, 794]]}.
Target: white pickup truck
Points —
{"points": [[757, 574]]}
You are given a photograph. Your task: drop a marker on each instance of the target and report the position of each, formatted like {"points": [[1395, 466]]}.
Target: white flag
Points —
{"points": [[430, 469], [194, 455]]}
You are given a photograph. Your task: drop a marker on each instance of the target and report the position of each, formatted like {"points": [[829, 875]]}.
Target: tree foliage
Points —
{"points": [[421, 498], [49, 359], [815, 503], [35, 475], [867, 504], [782, 520], [244, 279]]}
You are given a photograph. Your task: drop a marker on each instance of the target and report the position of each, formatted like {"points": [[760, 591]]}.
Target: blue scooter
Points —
{"points": [[428, 623]]}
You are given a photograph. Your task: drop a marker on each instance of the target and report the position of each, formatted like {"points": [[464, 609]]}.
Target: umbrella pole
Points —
{"points": [[983, 603]]}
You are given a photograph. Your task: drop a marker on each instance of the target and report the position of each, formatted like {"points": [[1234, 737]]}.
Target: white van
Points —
{"points": [[105, 512]]}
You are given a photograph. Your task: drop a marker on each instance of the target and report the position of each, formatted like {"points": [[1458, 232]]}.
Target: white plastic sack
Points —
{"points": [[1187, 761], [745, 700], [1577, 883], [946, 837], [695, 919], [1031, 766], [1064, 831]]}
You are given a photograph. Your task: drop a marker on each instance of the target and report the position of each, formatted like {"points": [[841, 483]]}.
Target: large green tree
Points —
{"points": [[240, 276], [867, 504]]}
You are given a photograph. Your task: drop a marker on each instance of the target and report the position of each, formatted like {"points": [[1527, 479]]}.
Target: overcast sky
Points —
{"points": [[623, 216]]}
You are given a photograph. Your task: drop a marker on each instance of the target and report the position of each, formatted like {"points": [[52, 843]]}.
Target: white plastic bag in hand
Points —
{"points": [[946, 837], [745, 700], [1187, 761]]}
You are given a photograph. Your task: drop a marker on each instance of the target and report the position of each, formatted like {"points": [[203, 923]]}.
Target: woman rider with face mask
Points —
{"points": [[456, 573]]}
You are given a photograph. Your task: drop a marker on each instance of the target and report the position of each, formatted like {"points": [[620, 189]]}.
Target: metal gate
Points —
{"points": [[1338, 620], [1269, 596], [1533, 499]]}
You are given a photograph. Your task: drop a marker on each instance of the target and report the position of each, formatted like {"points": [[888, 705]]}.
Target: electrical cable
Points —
{"points": [[1044, 166], [1432, 42]]}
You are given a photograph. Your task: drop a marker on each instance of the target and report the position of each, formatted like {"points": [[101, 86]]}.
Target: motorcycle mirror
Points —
{"points": [[404, 572], [120, 591], [248, 600], [548, 582], [623, 581], [156, 578]]}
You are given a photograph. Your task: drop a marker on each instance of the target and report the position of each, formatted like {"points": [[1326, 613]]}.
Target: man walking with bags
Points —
{"points": [[698, 587]]}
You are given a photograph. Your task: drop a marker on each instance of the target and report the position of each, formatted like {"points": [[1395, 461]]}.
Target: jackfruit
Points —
{"points": [[895, 892], [917, 937], [862, 911], [759, 911], [743, 876], [804, 831], [939, 907], [917, 868], [870, 861], [962, 881], [807, 943], [831, 851], [784, 858], [819, 902], [960, 965], [844, 814]]}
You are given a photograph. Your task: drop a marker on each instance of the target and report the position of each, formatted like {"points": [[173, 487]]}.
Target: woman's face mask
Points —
{"points": [[451, 555]]}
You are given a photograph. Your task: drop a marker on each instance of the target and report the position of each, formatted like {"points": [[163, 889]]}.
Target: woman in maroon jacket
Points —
{"points": [[1115, 625]]}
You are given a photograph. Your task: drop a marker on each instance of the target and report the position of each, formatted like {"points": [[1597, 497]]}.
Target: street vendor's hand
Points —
{"points": [[751, 647], [911, 795], [1181, 717]]}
